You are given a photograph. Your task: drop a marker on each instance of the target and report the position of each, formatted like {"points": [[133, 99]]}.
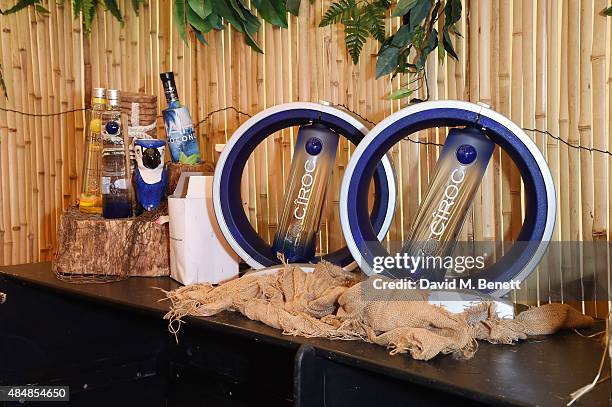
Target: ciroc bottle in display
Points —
{"points": [[457, 176], [311, 169]]}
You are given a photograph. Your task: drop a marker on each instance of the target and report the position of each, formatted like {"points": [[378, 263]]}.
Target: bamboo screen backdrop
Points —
{"points": [[544, 64]]}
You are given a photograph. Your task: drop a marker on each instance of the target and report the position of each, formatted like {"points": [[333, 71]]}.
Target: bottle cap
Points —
{"points": [[112, 96], [170, 91], [167, 76], [98, 93]]}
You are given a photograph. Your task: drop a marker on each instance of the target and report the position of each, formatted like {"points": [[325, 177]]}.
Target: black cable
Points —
{"points": [[209, 115], [355, 113], [43, 114], [579, 147], [220, 110]]}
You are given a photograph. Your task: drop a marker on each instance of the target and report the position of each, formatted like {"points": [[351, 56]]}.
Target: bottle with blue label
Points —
{"points": [[182, 140], [443, 210], [311, 169]]}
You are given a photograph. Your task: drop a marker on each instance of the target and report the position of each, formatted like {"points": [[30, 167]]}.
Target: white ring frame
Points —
{"points": [[329, 109], [482, 111]]}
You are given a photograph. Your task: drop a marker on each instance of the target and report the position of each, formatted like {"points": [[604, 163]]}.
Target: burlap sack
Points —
{"points": [[332, 303]]}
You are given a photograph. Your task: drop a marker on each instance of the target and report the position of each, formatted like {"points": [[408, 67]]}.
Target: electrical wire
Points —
{"points": [[344, 106]]}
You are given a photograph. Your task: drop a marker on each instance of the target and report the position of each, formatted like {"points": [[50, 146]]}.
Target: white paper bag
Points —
{"points": [[198, 251]]}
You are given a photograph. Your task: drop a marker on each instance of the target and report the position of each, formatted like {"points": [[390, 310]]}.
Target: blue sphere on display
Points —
{"points": [[112, 127], [466, 154], [314, 146]]}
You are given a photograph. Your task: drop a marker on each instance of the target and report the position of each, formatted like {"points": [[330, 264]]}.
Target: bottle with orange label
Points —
{"points": [[91, 195]]}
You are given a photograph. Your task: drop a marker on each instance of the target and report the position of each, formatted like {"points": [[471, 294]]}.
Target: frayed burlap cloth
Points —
{"points": [[332, 303]]}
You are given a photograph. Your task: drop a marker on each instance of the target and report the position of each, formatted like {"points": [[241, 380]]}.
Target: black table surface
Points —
{"points": [[539, 371]]}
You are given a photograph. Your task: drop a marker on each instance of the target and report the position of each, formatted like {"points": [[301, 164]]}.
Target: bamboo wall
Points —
{"points": [[545, 64]]}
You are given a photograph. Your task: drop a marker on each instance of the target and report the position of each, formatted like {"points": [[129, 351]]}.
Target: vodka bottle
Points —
{"points": [[91, 197], [311, 169], [457, 176], [116, 184], [182, 140]]}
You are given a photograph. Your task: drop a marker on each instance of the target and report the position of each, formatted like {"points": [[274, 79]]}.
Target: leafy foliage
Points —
{"points": [[361, 19], [197, 16], [607, 12], [136, 5], [87, 8], [340, 11], [405, 51], [21, 4], [202, 16]]}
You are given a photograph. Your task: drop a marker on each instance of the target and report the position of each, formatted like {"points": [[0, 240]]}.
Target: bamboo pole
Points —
{"points": [[505, 62], [573, 104], [56, 140], [609, 134], [584, 119], [475, 229], [552, 145], [65, 144], [516, 112], [4, 214], [563, 152], [484, 81], [46, 87], [586, 140], [575, 273], [74, 74], [31, 185], [496, 158], [600, 141], [43, 233], [260, 152], [10, 194], [542, 272], [125, 35], [530, 289], [78, 90], [22, 172], [145, 78], [5, 230]]}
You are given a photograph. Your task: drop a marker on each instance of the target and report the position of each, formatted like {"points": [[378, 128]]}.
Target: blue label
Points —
{"points": [[182, 139]]}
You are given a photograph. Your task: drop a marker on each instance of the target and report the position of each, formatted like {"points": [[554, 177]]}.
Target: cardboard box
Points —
{"points": [[198, 251]]}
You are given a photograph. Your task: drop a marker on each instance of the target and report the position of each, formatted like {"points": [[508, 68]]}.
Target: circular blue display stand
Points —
{"points": [[540, 202], [228, 175]]}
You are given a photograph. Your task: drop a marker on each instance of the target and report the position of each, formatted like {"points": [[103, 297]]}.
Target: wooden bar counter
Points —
{"points": [[109, 343]]}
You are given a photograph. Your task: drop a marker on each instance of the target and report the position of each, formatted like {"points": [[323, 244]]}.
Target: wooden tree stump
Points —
{"points": [[175, 170], [93, 246]]}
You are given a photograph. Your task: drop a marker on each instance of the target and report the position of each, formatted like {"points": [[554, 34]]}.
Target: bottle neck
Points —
{"points": [[171, 93], [98, 104], [173, 104], [113, 107]]}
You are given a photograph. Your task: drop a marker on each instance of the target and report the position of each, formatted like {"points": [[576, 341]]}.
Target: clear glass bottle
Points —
{"points": [[90, 200], [116, 184], [311, 169], [182, 139], [457, 176]]}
